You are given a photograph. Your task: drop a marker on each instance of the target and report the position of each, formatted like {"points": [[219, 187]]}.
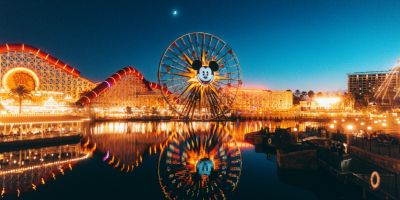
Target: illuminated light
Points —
{"points": [[350, 127], [19, 69], [332, 126], [369, 128], [109, 85], [56, 62], [94, 93], [327, 101], [37, 52], [362, 123], [106, 156], [45, 58], [375, 122], [8, 48], [23, 47], [334, 121], [87, 98], [113, 79], [384, 124], [343, 120], [295, 129]]}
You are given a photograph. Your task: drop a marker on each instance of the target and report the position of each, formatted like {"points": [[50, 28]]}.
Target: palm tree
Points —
{"points": [[21, 92]]}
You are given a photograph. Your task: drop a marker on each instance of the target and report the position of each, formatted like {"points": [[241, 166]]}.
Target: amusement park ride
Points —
{"points": [[200, 76]]}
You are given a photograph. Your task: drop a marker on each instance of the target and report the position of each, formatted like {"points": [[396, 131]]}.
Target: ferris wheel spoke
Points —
{"points": [[178, 63], [226, 61], [173, 79], [182, 58], [214, 48], [192, 46], [220, 50], [174, 67]]}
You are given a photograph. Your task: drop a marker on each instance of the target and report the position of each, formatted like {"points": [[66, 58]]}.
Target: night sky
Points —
{"points": [[280, 44]]}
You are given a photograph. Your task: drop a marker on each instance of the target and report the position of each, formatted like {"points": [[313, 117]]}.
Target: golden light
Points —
{"points": [[350, 127], [362, 123], [14, 76], [332, 126], [384, 124], [327, 102], [369, 128]]}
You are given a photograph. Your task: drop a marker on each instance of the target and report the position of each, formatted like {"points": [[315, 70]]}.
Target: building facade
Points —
{"points": [[256, 102], [363, 86]]}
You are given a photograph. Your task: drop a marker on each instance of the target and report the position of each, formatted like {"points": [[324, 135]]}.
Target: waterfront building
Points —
{"points": [[256, 102], [364, 85]]}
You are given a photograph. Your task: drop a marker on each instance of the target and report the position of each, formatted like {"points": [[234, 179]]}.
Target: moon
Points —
{"points": [[175, 12]]}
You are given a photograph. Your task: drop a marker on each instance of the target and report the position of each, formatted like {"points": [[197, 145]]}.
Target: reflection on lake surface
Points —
{"points": [[26, 170], [172, 160]]}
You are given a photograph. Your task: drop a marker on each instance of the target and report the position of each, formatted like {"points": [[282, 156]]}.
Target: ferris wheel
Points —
{"points": [[200, 75]]}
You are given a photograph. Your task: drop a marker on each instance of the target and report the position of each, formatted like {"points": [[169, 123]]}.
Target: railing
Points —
{"points": [[377, 147]]}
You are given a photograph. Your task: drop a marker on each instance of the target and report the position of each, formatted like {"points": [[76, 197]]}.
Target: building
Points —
{"points": [[256, 102], [363, 86]]}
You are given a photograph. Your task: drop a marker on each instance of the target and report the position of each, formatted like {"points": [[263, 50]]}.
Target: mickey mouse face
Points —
{"points": [[205, 74]]}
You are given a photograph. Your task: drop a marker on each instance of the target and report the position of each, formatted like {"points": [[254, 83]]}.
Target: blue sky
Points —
{"points": [[280, 44]]}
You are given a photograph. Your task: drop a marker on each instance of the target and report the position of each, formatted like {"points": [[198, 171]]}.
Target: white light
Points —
{"points": [[175, 12]]}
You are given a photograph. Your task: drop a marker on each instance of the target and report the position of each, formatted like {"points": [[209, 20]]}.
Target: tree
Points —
{"points": [[21, 92], [303, 96], [297, 93], [311, 94]]}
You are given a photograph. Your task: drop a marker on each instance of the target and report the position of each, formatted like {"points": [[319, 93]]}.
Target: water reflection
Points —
{"points": [[202, 162], [27, 170], [173, 160], [123, 145]]}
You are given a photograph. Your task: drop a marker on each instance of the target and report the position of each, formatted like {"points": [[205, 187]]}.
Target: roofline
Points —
{"points": [[369, 72]]}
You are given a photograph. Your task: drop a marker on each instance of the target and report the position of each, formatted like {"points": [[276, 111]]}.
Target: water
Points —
{"points": [[136, 160]]}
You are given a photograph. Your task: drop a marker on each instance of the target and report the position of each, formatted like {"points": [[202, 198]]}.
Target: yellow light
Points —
{"points": [[384, 124], [332, 126], [369, 128], [295, 129], [16, 69], [362, 123], [350, 127], [327, 101]]}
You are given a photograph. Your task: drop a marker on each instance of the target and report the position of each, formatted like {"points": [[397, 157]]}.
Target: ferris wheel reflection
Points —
{"points": [[201, 163]]}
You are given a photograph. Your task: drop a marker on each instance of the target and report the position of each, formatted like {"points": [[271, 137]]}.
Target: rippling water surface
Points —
{"points": [[156, 160]]}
